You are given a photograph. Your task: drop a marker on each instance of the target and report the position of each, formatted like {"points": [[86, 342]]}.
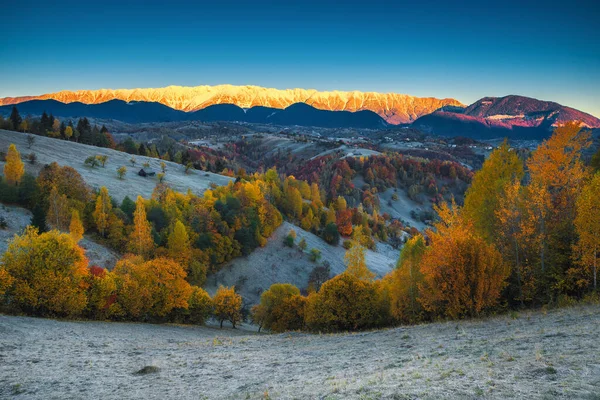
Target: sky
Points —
{"points": [[460, 49]]}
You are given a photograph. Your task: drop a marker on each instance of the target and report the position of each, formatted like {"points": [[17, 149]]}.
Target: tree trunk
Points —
{"points": [[221, 324]]}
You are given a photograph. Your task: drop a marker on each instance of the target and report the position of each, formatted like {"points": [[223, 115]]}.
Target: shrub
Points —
{"points": [[91, 161], [315, 255], [347, 244], [288, 241], [331, 234], [344, 303]]}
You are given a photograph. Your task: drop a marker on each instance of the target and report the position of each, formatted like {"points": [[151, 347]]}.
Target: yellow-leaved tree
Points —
{"points": [[76, 227], [140, 240], [483, 197], [49, 271], [405, 280], [58, 216], [14, 167], [178, 244], [355, 256], [587, 224], [228, 305], [102, 211]]}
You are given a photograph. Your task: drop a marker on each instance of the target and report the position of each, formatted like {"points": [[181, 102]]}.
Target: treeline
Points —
{"points": [[48, 125], [435, 179], [528, 235]]}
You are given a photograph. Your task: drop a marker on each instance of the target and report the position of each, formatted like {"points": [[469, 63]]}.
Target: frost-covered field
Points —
{"points": [[537, 355], [72, 154]]}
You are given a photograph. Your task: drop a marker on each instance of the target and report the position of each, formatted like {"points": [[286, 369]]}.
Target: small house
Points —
{"points": [[143, 172]]}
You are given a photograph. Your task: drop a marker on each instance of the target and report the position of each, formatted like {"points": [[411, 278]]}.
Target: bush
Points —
{"points": [[288, 241], [315, 255], [347, 244], [331, 235], [344, 303], [91, 161], [3, 223]]}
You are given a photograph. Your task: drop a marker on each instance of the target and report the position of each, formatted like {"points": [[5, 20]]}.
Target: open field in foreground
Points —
{"points": [[535, 355]]}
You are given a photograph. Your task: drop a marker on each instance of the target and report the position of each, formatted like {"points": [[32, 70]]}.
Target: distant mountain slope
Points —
{"points": [[138, 112], [394, 108], [528, 109], [515, 117]]}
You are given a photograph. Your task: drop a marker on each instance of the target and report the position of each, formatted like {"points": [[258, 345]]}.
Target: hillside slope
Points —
{"points": [[276, 263], [73, 154], [394, 108], [537, 356]]}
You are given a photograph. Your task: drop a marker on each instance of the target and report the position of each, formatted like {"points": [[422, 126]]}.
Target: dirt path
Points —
{"points": [[534, 356]]}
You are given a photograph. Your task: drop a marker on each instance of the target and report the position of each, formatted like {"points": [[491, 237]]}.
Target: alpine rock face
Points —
{"points": [[392, 107]]}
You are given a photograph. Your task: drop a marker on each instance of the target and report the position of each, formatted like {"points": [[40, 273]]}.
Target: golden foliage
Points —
{"points": [[228, 305], [14, 167], [102, 211], [405, 280], [462, 273], [140, 240], [50, 273], [344, 303], [76, 227], [151, 289], [587, 225]]}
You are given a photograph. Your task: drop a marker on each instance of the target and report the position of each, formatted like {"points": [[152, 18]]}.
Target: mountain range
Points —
{"points": [[509, 116], [140, 112], [392, 107], [490, 117]]}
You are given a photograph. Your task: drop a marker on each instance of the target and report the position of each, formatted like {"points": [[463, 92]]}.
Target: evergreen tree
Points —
{"points": [[38, 219], [15, 118]]}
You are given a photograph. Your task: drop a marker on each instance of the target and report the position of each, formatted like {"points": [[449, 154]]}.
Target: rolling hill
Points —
{"points": [[394, 108]]}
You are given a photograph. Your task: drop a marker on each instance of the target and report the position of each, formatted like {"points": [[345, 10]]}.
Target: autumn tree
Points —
{"points": [[102, 211], [587, 224], [405, 281], [49, 271], [14, 167], [356, 264], [557, 176], [151, 289], [228, 305], [58, 216], [102, 294], [178, 244], [140, 240], [121, 171], [76, 227], [270, 311], [344, 303], [463, 275], [488, 188], [199, 308]]}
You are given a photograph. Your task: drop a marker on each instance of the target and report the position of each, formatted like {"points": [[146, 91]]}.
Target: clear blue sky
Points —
{"points": [[460, 49]]}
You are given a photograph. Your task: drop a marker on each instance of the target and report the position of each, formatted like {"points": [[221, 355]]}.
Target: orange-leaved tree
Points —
{"points": [[228, 305], [463, 275]]}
